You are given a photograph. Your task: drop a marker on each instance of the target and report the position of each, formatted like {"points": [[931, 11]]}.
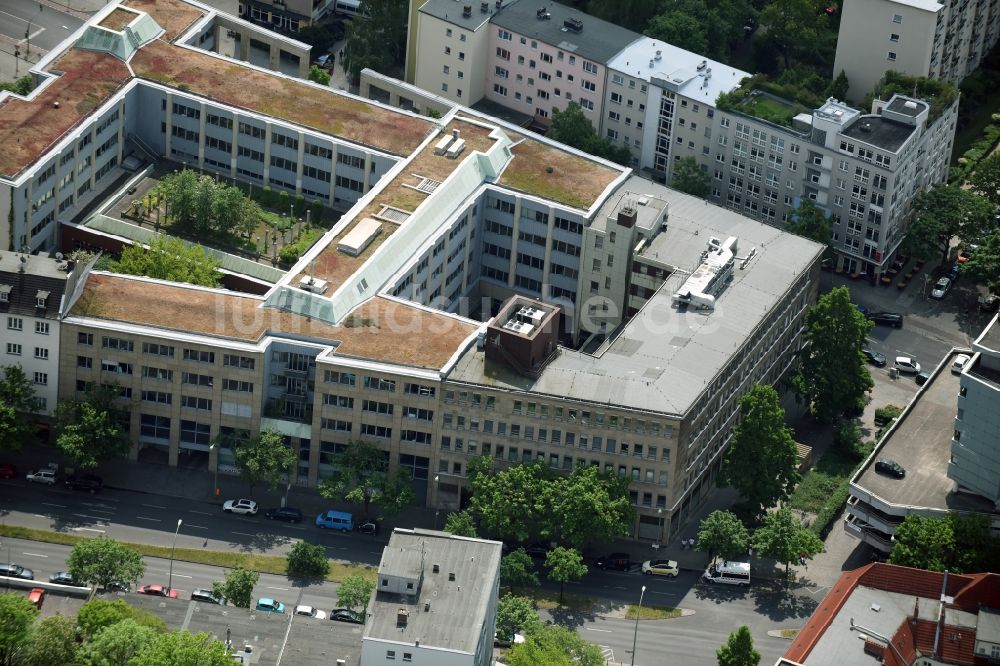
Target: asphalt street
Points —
{"points": [[44, 25]]}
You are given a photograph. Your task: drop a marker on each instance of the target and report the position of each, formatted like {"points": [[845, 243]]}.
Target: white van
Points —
{"points": [[729, 573]]}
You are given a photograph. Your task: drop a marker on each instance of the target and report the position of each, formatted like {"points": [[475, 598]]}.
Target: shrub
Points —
{"points": [[266, 196], [884, 415], [308, 559], [290, 253], [317, 211], [831, 509], [847, 436], [299, 206]]}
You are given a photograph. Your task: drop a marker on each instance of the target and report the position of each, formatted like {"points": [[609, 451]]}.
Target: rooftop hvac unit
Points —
{"points": [[573, 24], [456, 148], [659, 55], [442, 146], [312, 285], [484, 7], [467, 11], [702, 65], [543, 14]]}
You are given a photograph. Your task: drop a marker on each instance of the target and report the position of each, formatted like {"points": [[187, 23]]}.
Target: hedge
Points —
{"points": [[831, 509]]}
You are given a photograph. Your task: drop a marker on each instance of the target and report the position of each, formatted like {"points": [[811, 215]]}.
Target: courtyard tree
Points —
{"points": [[91, 429], [364, 478], [237, 589], [761, 460], [572, 127], [263, 459], [833, 376], [722, 534], [716, 26], [99, 614], [986, 179], [355, 591], [118, 643], [564, 565], [738, 649], [17, 617], [460, 523], [169, 258], [680, 29], [514, 614], [517, 569], [379, 41], [783, 538], [102, 561], [943, 212], [689, 177], [18, 406]]}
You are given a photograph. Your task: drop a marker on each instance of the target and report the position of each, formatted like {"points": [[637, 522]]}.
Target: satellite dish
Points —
{"points": [[59, 256]]}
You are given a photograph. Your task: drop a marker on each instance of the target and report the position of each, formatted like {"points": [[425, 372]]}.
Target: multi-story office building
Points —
{"points": [[941, 40], [486, 292]]}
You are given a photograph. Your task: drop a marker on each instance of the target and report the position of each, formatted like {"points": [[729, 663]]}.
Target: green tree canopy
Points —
{"points": [[18, 405], [717, 25], [631, 14], [553, 645], [103, 561], [355, 591], [460, 523], [984, 264], [839, 86], [263, 459], [172, 259], [960, 544], [564, 564], [795, 27], [517, 569], [572, 127], [762, 459], [986, 179], [681, 29], [379, 42], [590, 507], [90, 429], [17, 617], [54, 641], [98, 614], [182, 648], [722, 534], [514, 614], [942, 212], [810, 221], [739, 649], [308, 559], [689, 177], [319, 75], [363, 478], [237, 589], [833, 376], [118, 643], [783, 538]]}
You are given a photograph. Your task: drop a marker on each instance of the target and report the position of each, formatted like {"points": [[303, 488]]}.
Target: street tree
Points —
{"points": [[514, 503], [182, 648], [355, 591], [460, 523], [309, 560], [984, 264], [514, 614], [689, 177], [54, 640], [18, 406], [234, 213], [517, 569], [809, 221], [833, 376], [943, 212], [103, 561], [90, 429], [237, 589], [794, 26], [986, 179], [924, 542], [564, 564], [722, 533], [319, 75], [761, 460], [739, 649], [553, 645], [169, 258], [118, 643], [17, 617], [783, 538], [364, 478], [99, 614], [263, 459], [589, 507]]}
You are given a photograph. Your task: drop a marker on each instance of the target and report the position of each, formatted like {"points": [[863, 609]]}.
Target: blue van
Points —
{"points": [[335, 520]]}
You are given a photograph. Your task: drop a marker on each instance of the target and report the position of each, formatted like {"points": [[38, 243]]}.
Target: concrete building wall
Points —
{"points": [[451, 61], [33, 344]]}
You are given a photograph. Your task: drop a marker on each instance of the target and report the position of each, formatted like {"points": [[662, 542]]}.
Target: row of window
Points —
{"points": [[17, 323]]}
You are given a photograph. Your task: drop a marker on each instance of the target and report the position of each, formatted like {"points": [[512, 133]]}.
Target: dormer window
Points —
{"points": [[5, 293], [40, 298]]}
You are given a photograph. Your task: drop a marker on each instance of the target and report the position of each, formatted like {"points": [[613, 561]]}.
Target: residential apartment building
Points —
{"points": [[435, 601], [476, 297], [940, 40]]}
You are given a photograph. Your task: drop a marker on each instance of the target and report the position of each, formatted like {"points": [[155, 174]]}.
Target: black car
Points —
{"points": [[16, 571], [537, 549], [367, 527], [615, 561], [63, 578], [88, 482], [287, 514], [952, 273], [989, 303], [890, 468], [346, 615], [893, 319], [875, 358], [207, 596]]}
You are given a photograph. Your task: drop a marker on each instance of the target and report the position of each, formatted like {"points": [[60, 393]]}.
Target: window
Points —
{"points": [[42, 327], [893, 37], [896, 18], [199, 356], [194, 402], [236, 361], [380, 384], [15, 323], [891, 56], [41, 378], [42, 353], [117, 343], [154, 427], [13, 349], [157, 350]]}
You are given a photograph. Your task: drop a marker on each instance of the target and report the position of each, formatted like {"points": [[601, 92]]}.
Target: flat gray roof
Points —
{"points": [[906, 106], [598, 41], [664, 358], [879, 132], [451, 11], [37, 265], [989, 340], [921, 442], [457, 608]]}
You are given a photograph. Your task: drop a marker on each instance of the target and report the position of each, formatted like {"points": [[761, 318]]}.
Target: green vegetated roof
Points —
{"points": [[774, 102], [936, 92]]}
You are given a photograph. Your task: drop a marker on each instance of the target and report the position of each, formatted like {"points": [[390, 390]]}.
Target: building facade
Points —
{"points": [[939, 40]]}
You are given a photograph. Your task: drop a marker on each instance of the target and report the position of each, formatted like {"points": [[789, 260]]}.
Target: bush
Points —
{"points": [[299, 206], [290, 253], [308, 559], [884, 415], [831, 509], [266, 196], [317, 211], [283, 201], [847, 436]]}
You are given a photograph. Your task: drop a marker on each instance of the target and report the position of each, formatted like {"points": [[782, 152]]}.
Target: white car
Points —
{"points": [[959, 364], [241, 506], [660, 568], [310, 612], [907, 364], [941, 288], [46, 476]]}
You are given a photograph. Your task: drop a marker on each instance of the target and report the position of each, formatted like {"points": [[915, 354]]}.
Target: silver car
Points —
{"points": [[941, 288]]}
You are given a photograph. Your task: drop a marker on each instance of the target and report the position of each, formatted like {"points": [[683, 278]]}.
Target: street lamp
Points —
{"points": [[215, 484], [635, 634], [437, 509], [663, 523], [170, 576]]}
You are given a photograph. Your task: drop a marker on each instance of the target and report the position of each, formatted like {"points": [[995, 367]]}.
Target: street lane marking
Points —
{"points": [[283, 589], [58, 506], [293, 527], [88, 529], [83, 515], [666, 594], [603, 631], [154, 506], [201, 513], [245, 534], [196, 527], [34, 555], [155, 520], [177, 575]]}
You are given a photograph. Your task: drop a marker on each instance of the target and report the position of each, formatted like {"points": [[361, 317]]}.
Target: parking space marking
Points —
{"points": [[34, 555], [283, 589]]}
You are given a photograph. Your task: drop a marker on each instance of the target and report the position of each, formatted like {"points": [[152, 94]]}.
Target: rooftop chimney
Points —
{"points": [[402, 615], [627, 217]]}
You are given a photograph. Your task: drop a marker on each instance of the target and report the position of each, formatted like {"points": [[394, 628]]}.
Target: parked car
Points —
{"points": [[368, 527], [158, 591], [118, 586], [46, 476], [875, 358], [907, 364], [64, 578], [890, 468], [952, 273], [36, 596], [989, 303], [537, 549], [240, 506], [88, 482], [7, 471], [862, 309], [941, 288], [615, 561], [893, 319], [16, 571], [660, 568], [309, 611], [207, 596], [287, 514], [346, 615], [922, 378], [335, 520], [270, 605], [958, 365]]}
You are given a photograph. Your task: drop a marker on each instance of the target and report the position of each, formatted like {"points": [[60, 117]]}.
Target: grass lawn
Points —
{"points": [[652, 613], [272, 564], [819, 483], [768, 108], [549, 600], [972, 130]]}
